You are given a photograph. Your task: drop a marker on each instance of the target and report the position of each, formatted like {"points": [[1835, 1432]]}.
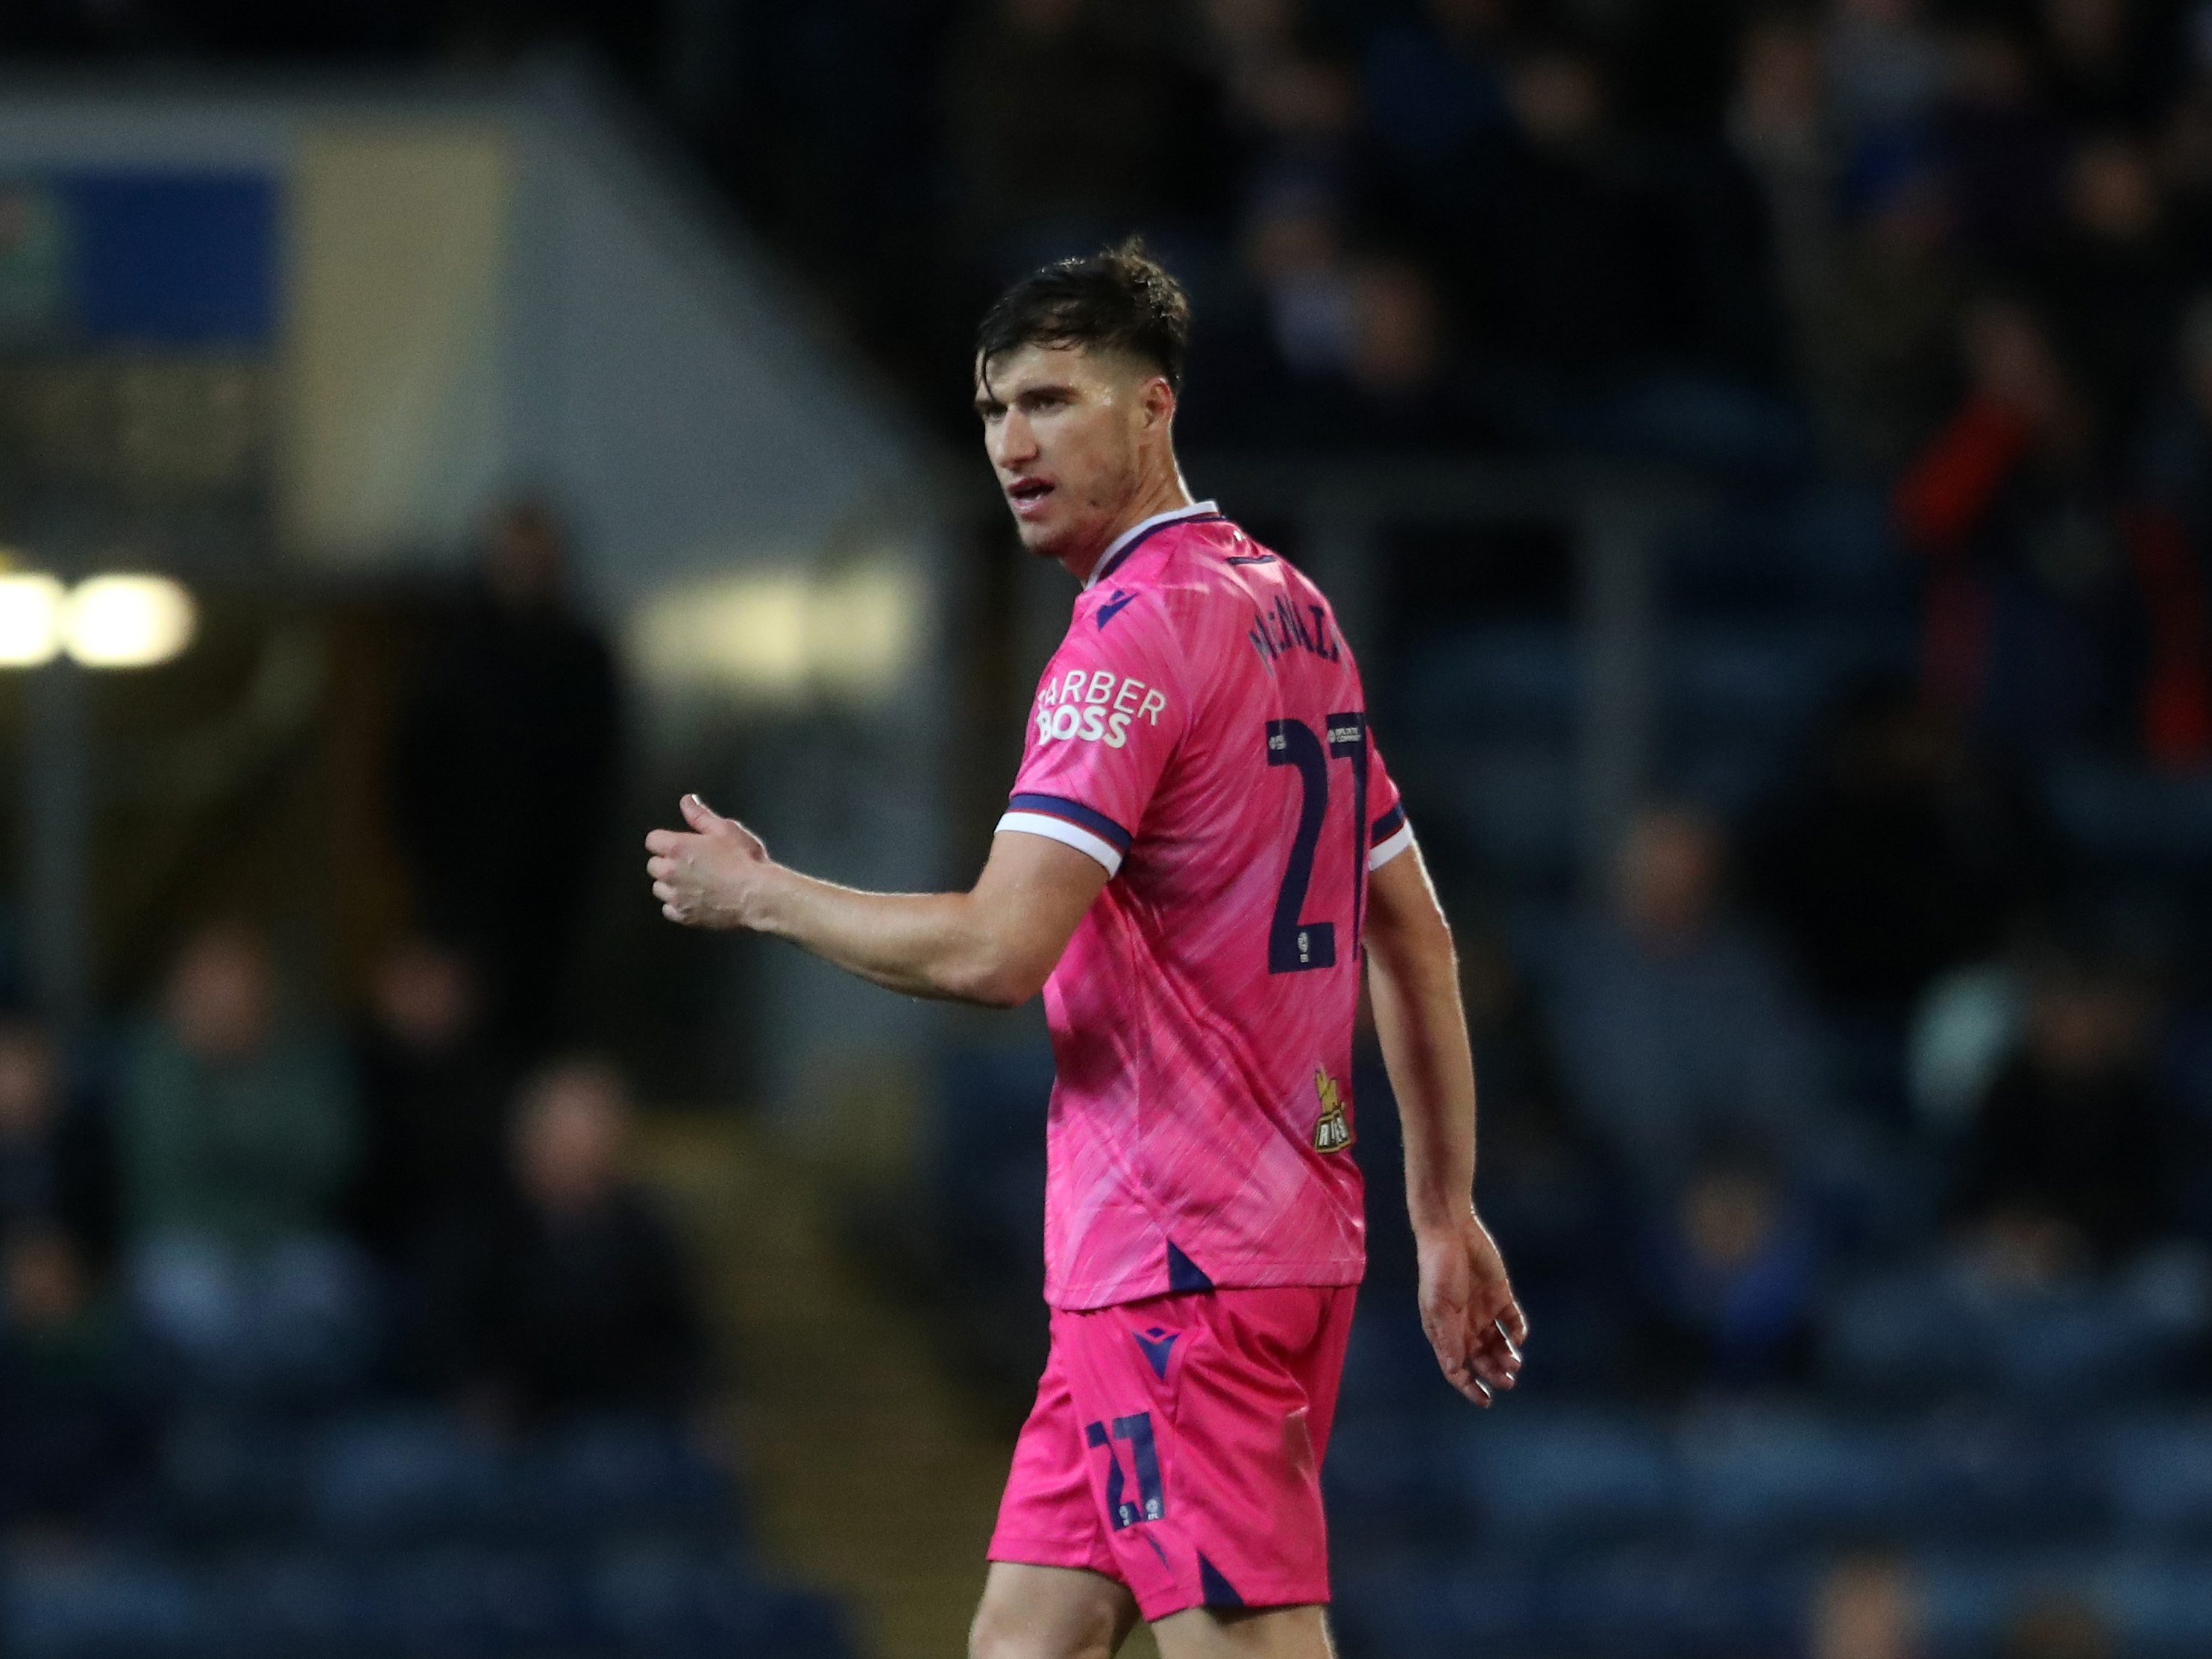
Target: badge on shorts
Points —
{"points": [[1332, 1130]]}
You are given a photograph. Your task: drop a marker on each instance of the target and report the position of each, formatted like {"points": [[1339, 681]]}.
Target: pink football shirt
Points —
{"points": [[1201, 733]]}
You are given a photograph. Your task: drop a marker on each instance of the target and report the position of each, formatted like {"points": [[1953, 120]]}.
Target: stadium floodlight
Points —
{"points": [[33, 605], [122, 621], [862, 630], [781, 636]]}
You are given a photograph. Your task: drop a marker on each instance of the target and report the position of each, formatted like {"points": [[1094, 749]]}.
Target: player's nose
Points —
{"points": [[1014, 440]]}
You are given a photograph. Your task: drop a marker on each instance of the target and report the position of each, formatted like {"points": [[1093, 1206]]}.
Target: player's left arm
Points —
{"points": [[993, 945], [1468, 1310]]}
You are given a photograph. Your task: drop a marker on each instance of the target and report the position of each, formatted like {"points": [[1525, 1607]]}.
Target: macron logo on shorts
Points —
{"points": [[1158, 1346]]}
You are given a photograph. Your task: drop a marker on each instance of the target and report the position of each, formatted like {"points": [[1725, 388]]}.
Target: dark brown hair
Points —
{"points": [[1120, 299]]}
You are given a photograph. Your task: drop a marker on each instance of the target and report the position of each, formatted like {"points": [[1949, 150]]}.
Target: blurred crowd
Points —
{"points": [[231, 1207], [1970, 1156]]}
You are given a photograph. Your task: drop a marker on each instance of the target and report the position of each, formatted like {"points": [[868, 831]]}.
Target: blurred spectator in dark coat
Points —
{"points": [[2111, 279], [1903, 855], [516, 720], [1861, 252], [1390, 381], [1730, 1273], [1620, 293], [434, 1094], [75, 1430], [2072, 1140], [1674, 1028], [2106, 63], [56, 1163], [1435, 85], [1070, 120], [2002, 151], [237, 1134], [1785, 133], [1572, 265], [1878, 348], [566, 1291], [1884, 67], [2031, 608]]}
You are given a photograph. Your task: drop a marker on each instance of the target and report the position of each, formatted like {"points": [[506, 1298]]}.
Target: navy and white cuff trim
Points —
{"points": [[1071, 823], [1390, 837]]}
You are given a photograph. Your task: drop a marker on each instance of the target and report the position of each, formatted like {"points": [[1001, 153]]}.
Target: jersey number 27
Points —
{"points": [[1295, 946]]}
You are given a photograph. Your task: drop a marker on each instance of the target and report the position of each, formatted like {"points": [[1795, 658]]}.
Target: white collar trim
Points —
{"points": [[1197, 509]]}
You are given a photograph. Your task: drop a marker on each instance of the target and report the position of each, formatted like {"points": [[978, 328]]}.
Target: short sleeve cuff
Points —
{"points": [[1384, 851], [1071, 825]]}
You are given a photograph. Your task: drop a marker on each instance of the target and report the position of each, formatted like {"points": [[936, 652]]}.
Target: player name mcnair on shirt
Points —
{"points": [[1202, 734]]}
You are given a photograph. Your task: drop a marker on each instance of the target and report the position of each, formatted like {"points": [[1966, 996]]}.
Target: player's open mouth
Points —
{"points": [[1028, 495]]}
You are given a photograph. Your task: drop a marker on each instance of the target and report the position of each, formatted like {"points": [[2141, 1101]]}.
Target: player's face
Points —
{"points": [[1063, 428]]}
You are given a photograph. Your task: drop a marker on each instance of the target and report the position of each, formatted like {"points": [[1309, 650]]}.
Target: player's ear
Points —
{"points": [[1158, 401]]}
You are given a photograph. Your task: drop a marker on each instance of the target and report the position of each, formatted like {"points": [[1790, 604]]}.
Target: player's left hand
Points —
{"points": [[710, 877], [1473, 1319]]}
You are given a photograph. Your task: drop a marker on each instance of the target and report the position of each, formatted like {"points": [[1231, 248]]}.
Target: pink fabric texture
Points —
{"points": [[1202, 732], [1176, 1446]]}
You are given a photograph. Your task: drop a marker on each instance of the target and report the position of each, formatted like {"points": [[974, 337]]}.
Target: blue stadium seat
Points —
{"points": [[608, 1476], [1999, 1477], [1770, 1477], [227, 1478], [2130, 816], [464, 1602], [1967, 1597], [1651, 1601], [673, 1604], [2161, 1476], [1522, 682], [1390, 1370], [1513, 803], [103, 1606], [301, 1605], [1538, 1479], [1824, 547], [1384, 1486], [2160, 1606], [1484, 1604], [406, 1477]]}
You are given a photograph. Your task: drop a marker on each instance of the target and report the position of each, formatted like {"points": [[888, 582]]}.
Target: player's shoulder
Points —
{"points": [[1191, 569]]}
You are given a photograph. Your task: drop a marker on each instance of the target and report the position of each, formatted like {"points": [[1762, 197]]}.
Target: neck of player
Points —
{"points": [[1160, 490]]}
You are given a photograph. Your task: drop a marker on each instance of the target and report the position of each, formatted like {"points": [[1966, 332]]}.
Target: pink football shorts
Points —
{"points": [[1176, 1444]]}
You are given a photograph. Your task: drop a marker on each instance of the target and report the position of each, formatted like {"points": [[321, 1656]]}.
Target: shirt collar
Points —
{"points": [[1195, 510]]}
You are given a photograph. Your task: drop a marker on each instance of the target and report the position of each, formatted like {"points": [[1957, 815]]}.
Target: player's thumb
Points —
{"points": [[699, 816]]}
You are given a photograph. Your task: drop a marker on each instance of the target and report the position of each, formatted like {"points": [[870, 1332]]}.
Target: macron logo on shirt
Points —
{"points": [[1114, 607]]}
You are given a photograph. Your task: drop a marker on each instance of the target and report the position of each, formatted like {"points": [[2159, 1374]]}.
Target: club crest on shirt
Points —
{"points": [[1332, 1129]]}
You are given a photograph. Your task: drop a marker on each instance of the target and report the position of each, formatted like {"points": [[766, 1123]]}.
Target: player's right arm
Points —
{"points": [[1467, 1306], [993, 945]]}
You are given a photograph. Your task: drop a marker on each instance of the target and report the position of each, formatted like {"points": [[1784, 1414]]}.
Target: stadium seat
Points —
{"points": [[1652, 1602], [608, 1476], [1769, 1477], [1521, 680], [2129, 815], [1481, 1604], [103, 1606], [1538, 1479], [405, 1478], [2161, 1476], [2160, 1606], [673, 1604]]}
